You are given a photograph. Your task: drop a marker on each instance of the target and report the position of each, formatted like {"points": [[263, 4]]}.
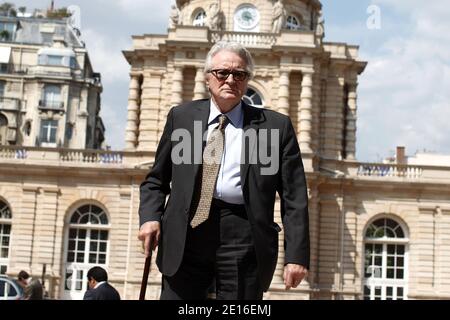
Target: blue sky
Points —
{"points": [[403, 96]]}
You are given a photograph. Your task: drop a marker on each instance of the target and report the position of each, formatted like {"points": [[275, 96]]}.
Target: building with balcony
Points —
{"points": [[378, 230], [49, 92]]}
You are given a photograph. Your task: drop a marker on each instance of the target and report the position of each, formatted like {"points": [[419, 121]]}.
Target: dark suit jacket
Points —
{"points": [[34, 290], [103, 292], [258, 190]]}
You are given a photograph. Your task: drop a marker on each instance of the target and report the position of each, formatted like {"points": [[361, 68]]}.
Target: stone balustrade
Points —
{"points": [[61, 156], [91, 156], [7, 152], [300, 38], [248, 39], [390, 170], [123, 159], [386, 171]]}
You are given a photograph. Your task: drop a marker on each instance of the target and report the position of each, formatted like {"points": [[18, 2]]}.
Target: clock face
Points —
{"points": [[246, 17]]}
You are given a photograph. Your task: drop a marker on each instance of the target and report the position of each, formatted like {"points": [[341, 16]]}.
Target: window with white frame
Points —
{"points": [[47, 38], [87, 246], [48, 132], [200, 19], [252, 97], [52, 97], [59, 60], [54, 60], [385, 261], [5, 235]]}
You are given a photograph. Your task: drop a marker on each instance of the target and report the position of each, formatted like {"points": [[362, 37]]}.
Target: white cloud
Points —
{"points": [[106, 56], [417, 7], [404, 92], [144, 4], [105, 51], [149, 10]]}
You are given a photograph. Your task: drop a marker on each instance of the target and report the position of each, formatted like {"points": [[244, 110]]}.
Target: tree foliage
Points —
{"points": [[8, 9], [58, 13]]}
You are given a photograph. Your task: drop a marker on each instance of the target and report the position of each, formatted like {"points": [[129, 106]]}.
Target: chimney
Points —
{"points": [[52, 6], [401, 157]]}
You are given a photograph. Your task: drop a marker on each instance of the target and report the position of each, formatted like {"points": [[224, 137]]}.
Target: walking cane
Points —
{"points": [[147, 266]]}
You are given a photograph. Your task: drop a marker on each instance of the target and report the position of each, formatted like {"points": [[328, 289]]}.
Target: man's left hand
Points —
{"points": [[293, 275]]}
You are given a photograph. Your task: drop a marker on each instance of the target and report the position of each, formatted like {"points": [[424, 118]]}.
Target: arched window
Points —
{"points": [[199, 18], [87, 246], [293, 23], [385, 261], [5, 235], [253, 98]]}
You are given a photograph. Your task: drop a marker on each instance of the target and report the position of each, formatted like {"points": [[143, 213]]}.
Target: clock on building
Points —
{"points": [[246, 18]]}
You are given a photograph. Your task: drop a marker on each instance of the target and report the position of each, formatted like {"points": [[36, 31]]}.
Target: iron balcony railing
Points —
{"points": [[10, 68], [51, 104]]}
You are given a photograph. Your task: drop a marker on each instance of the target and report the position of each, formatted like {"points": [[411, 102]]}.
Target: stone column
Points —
{"points": [[24, 236], [283, 92], [200, 88], [351, 122], [133, 113], [305, 113], [177, 86], [149, 111]]}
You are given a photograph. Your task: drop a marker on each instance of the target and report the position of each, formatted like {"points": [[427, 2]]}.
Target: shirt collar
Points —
{"points": [[99, 284], [235, 115]]}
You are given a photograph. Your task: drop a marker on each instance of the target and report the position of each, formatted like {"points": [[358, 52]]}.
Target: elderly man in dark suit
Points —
{"points": [[218, 223], [99, 288]]}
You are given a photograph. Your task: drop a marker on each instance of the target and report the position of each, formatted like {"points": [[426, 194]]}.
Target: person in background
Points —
{"points": [[22, 279], [32, 288], [99, 288]]}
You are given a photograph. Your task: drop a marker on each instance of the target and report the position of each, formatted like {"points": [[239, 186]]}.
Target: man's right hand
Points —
{"points": [[149, 231]]}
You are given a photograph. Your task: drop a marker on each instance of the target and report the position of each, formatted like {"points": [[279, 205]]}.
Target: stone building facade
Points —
{"points": [[49, 93], [378, 230]]}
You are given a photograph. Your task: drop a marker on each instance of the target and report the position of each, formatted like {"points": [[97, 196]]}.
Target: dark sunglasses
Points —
{"points": [[223, 74]]}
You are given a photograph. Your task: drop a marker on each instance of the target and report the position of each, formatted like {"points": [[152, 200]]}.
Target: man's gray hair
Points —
{"points": [[235, 47]]}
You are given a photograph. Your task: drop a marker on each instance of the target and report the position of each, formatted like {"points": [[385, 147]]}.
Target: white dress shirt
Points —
{"points": [[99, 284], [228, 186]]}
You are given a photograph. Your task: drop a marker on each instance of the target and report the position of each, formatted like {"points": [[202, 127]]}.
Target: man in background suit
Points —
{"points": [[99, 288], [218, 222]]}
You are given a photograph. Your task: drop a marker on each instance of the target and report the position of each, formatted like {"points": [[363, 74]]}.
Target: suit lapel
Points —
{"points": [[252, 118], [198, 116]]}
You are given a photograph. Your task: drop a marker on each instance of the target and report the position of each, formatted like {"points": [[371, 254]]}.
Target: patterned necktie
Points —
{"points": [[212, 157]]}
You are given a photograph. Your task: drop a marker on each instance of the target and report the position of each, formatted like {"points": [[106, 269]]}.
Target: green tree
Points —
{"points": [[4, 35], [8, 9]]}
